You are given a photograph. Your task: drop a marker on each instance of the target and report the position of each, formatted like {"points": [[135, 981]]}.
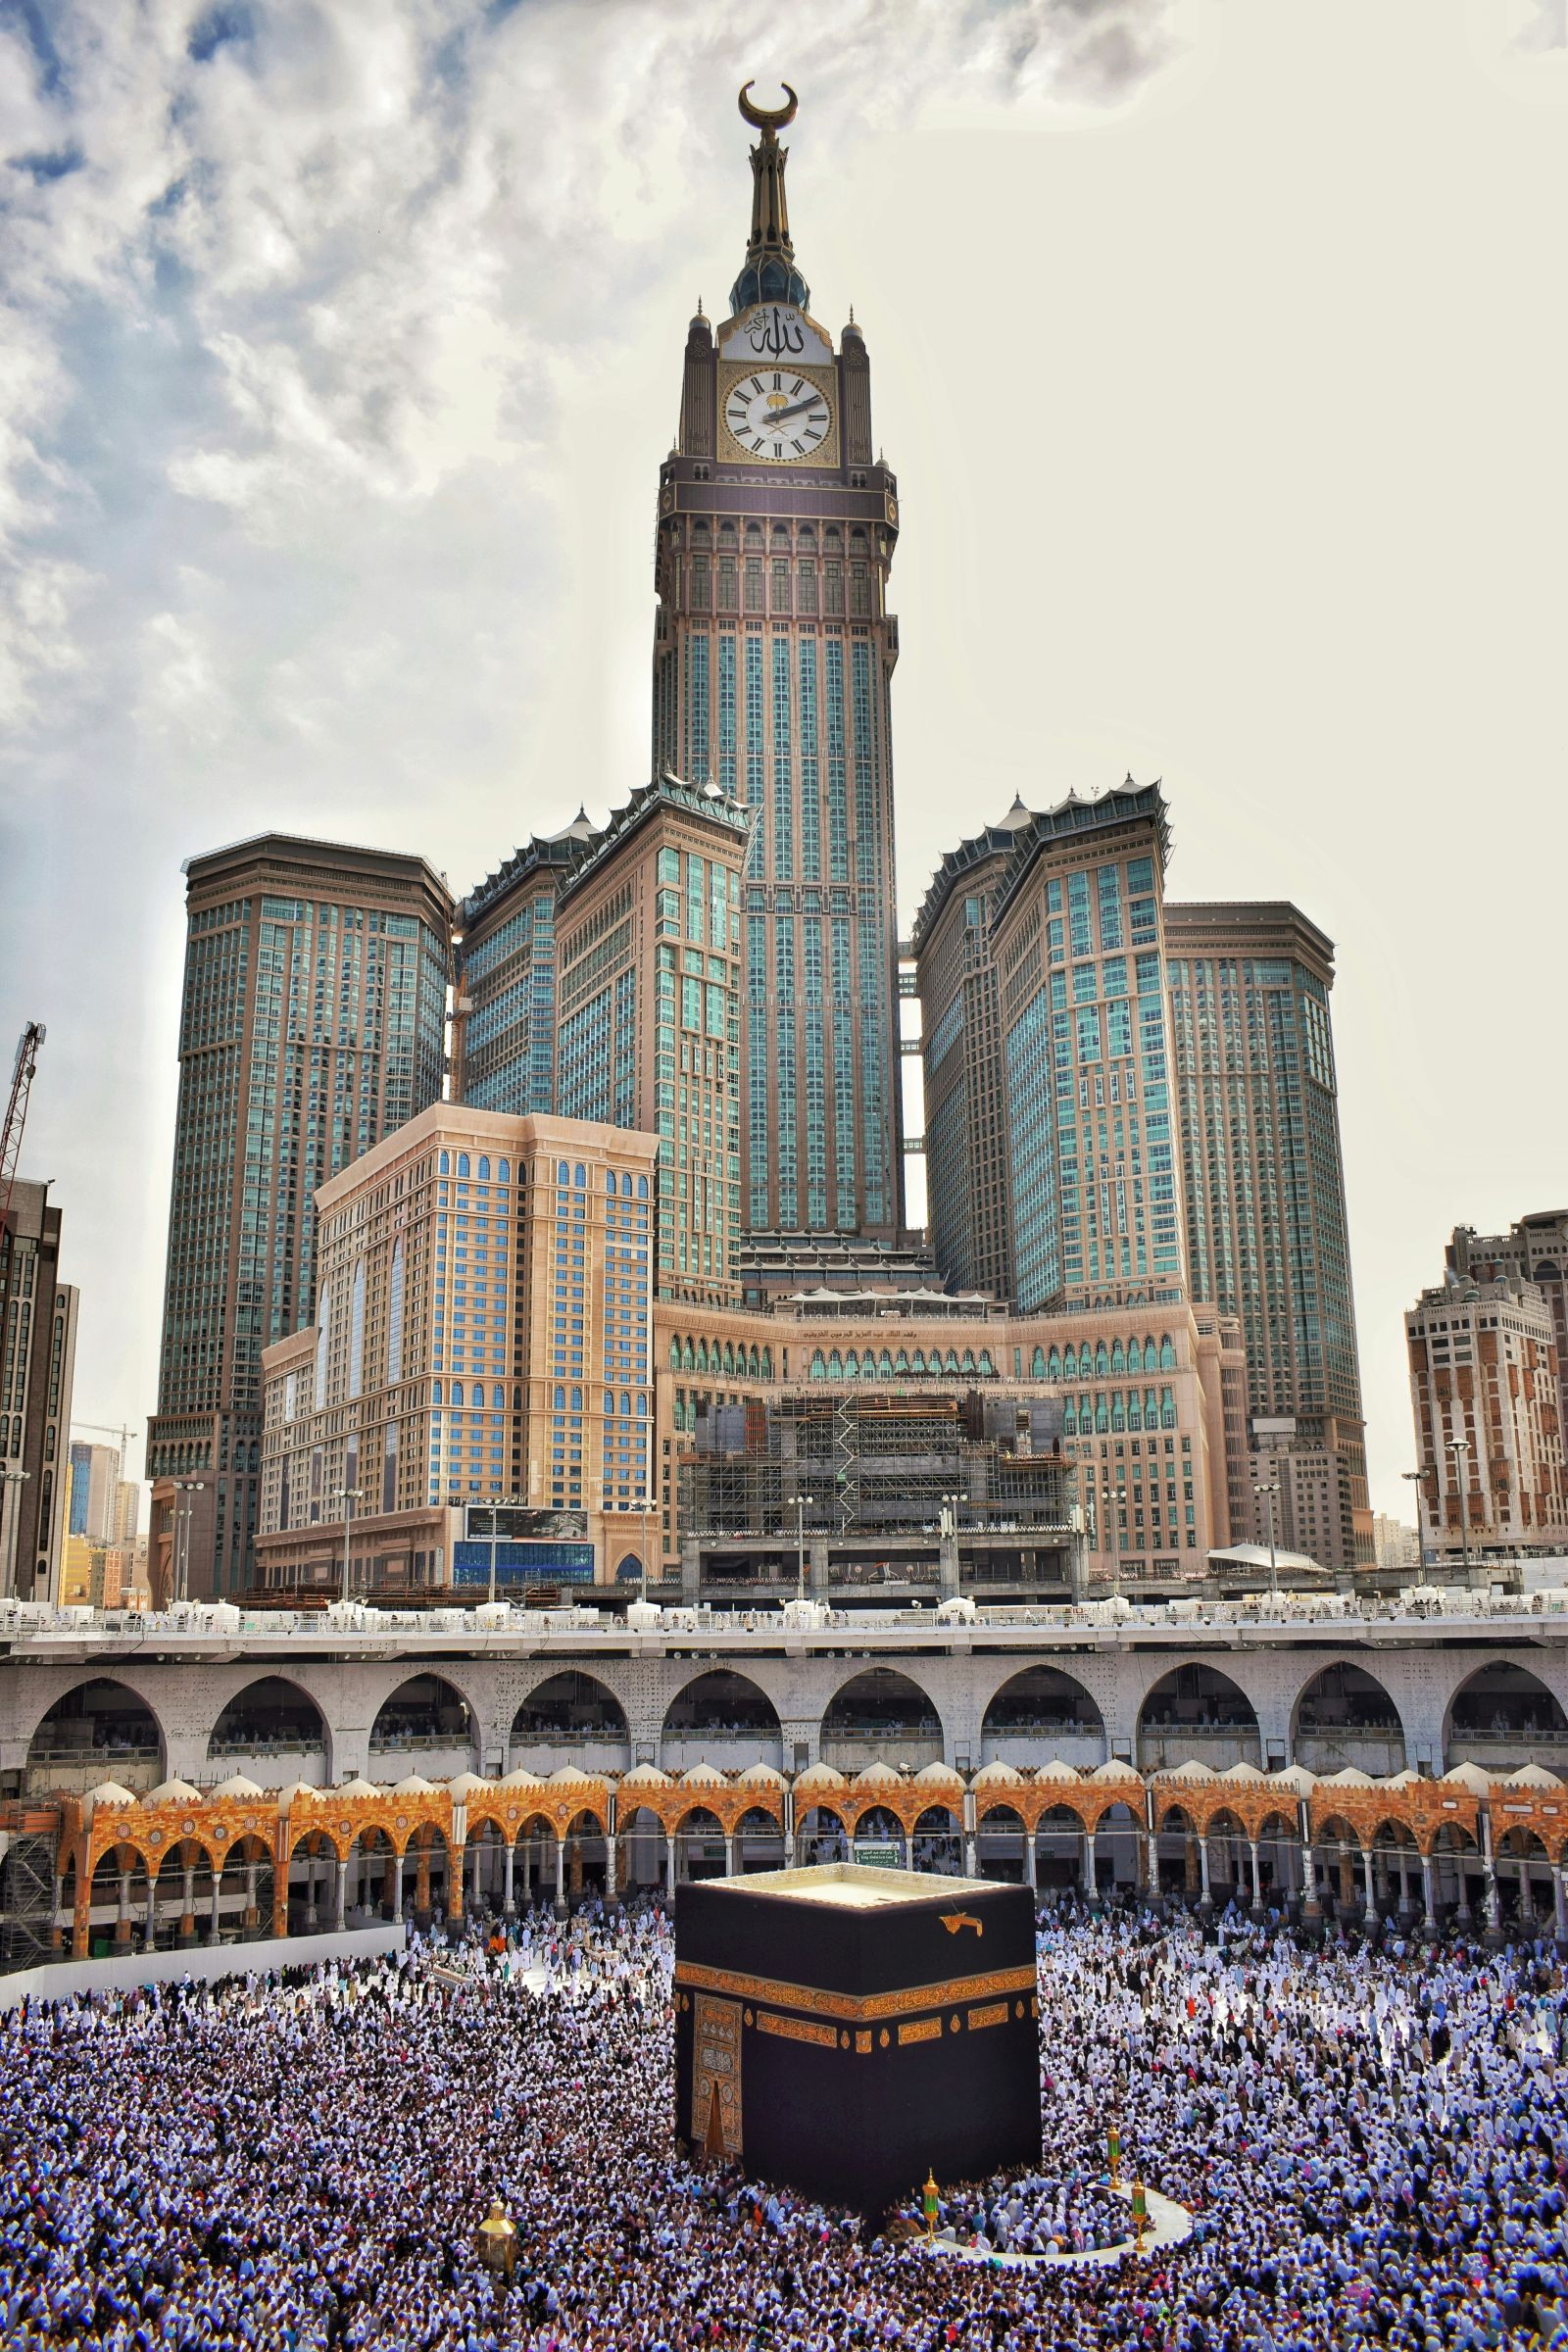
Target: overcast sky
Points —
{"points": [[1220, 352]]}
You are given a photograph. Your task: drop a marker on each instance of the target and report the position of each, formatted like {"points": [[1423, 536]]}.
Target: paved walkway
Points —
{"points": [[1168, 2225]]}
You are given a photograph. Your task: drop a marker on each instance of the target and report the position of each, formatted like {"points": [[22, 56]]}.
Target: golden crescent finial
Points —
{"points": [[768, 118]]}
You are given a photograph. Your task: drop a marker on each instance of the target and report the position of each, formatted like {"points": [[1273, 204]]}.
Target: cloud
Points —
{"points": [[340, 347]]}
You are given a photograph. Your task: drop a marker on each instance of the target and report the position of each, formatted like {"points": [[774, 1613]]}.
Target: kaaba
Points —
{"points": [[844, 2029]]}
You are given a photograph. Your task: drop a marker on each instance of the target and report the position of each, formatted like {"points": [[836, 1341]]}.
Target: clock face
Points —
{"points": [[778, 414]]}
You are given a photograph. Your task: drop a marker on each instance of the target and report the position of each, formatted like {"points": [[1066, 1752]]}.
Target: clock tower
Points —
{"points": [[773, 652]]}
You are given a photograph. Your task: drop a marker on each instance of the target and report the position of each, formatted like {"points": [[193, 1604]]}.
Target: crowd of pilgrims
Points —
{"points": [[1030, 2213], [1372, 2141]]}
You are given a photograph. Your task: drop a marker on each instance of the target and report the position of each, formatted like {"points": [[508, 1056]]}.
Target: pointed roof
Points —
{"points": [[1531, 1776], [414, 1783], [878, 1776], [1471, 1777], [934, 1775], [359, 1787], [110, 1792], [702, 1776], [237, 1786], [998, 1775], [761, 1776], [768, 273]]}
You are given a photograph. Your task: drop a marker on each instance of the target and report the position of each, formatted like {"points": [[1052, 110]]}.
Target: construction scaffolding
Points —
{"points": [[845, 1463], [28, 1841]]}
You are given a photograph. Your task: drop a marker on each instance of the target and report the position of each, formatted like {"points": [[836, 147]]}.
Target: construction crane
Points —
{"points": [[15, 1119], [104, 1430]]}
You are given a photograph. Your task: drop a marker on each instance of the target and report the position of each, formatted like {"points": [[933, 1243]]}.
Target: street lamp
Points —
{"points": [[348, 1496], [496, 1504], [1269, 1489], [184, 1486], [15, 1481], [1418, 1479], [1459, 1447], [642, 1509], [797, 1503]]}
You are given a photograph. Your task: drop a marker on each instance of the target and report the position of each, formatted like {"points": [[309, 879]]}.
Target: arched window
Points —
{"points": [[835, 1366], [462, 1163], [484, 1168], [1118, 1414], [852, 1364], [729, 1355], [986, 1368], [901, 1362], [701, 1356], [1101, 1360], [457, 1391], [1069, 1419], [503, 1171], [920, 1363], [576, 1400], [884, 1366], [968, 1360], [435, 1391], [625, 1188], [498, 1397], [767, 1363], [579, 1176], [626, 1402], [1102, 1416], [1038, 1369], [1118, 1356], [609, 1182], [1167, 1352], [1167, 1409], [688, 1356], [609, 1400], [674, 1355], [445, 1164], [641, 1187], [642, 1408], [563, 1172]]}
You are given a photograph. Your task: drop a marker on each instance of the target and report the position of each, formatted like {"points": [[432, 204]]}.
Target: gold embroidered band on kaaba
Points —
{"points": [[855, 2009]]}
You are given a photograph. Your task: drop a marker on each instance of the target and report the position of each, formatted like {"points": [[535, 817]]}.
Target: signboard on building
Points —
{"points": [[522, 1564]]}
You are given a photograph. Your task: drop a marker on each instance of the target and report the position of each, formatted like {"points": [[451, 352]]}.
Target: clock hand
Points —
{"points": [[778, 416]]}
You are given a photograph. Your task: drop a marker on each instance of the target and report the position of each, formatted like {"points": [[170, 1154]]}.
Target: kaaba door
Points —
{"points": [[717, 2075]]}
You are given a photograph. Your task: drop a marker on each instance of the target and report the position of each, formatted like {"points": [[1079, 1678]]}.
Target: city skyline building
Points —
{"points": [[1484, 1391], [1534, 1249], [647, 933], [313, 1022], [484, 1334], [1263, 1186], [94, 1492], [774, 654], [1085, 1061], [37, 1366]]}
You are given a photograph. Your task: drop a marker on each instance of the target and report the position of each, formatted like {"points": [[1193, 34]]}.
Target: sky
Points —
{"points": [[1220, 350]]}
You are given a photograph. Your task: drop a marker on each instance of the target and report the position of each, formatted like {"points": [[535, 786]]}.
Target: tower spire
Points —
{"points": [[768, 273]]}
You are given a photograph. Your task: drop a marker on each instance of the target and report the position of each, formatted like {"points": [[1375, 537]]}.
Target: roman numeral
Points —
{"points": [[778, 449], [778, 384], [795, 387], [798, 447]]}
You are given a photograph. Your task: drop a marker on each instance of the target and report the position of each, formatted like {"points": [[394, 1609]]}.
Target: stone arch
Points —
{"points": [[569, 1714], [881, 1715], [272, 1719], [427, 1724], [1194, 1711], [1504, 1716], [1040, 1712], [1344, 1715], [99, 1728], [721, 1717]]}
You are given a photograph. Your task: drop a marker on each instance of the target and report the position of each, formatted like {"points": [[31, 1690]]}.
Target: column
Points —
{"points": [[341, 1871], [214, 1922], [152, 1910], [475, 1860], [670, 1864], [1090, 1887], [508, 1904], [1402, 1854], [612, 1891], [1369, 1910], [421, 1886], [1030, 1861], [969, 1869], [1311, 1904], [1206, 1900], [310, 1918], [1428, 1895], [1559, 1904], [123, 1923], [1258, 1874], [188, 1906], [397, 1886], [729, 1853], [560, 1875], [250, 1918]]}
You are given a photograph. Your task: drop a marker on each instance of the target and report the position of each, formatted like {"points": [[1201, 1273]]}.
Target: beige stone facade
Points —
{"points": [[484, 1334], [1484, 1389]]}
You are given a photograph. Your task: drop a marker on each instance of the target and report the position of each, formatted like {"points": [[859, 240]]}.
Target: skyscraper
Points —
{"points": [[94, 1492], [313, 1023], [1264, 1188], [967, 1216], [647, 973], [37, 1364], [773, 652], [1076, 940], [504, 1036]]}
